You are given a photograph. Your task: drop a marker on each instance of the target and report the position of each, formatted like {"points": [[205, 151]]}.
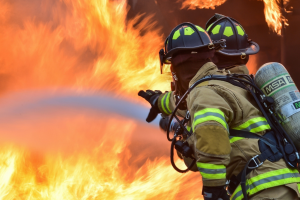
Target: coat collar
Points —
{"points": [[210, 68], [239, 69]]}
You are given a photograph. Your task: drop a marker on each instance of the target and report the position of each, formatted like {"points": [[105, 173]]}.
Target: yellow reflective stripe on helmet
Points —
{"points": [[240, 31], [216, 29], [209, 27], [200, 29], [212, 171], [234, 139], [254, 125], [228, 31], [209, 114], [267, 180], [176, 35], [188, 128], [165, 102], [188, 31]]}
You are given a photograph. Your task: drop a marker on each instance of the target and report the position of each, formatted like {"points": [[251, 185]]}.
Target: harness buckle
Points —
{"points": [[256, 162]]}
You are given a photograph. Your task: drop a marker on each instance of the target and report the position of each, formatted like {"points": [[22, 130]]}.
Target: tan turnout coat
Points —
{"points": [[215, 107]]}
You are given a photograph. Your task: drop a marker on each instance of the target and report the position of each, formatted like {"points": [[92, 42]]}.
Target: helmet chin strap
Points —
{"points": [[177, 92], [175, 80]]}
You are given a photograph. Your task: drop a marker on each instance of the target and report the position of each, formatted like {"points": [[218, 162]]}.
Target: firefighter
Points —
{"points": [[224, 59], [217, 107]]}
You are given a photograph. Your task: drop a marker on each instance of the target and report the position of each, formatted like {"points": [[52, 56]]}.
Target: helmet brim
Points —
{"points": [[168, 56], [252, 49]]}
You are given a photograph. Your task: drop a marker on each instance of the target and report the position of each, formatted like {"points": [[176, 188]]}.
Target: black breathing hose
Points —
{"points": [[172, 159]]}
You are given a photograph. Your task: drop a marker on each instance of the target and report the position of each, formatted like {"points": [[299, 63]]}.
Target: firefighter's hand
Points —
{"points": [[151, 97], [215, 193]]}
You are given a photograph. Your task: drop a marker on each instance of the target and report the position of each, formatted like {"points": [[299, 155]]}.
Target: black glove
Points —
{"points": [[215, 193], [151, 97]]}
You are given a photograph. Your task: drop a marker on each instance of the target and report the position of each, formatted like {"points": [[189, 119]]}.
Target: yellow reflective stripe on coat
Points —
{"points": [[254, 125], [209, 114], [188, 128], [165, 102], [234, 139], [267, 180], [212, 171]]}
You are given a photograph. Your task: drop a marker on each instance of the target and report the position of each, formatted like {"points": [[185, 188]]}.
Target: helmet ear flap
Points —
{"points": [[161, 58]]}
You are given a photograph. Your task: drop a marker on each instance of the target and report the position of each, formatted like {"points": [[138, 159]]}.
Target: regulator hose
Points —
{"points": [[172, 159]]}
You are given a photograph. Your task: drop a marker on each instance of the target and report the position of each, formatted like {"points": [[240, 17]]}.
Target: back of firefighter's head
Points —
{"points": [[187, 48], [238, 46]]}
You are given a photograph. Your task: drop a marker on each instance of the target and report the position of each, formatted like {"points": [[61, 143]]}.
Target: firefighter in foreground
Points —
{"points": [[230, 59], [217, 106]]}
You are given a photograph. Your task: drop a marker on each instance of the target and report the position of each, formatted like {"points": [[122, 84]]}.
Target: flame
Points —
{"points": [[84, 45], [206, 4], [63, 153], [79, 44], [272, 10], [274, 16], [82, 154]]}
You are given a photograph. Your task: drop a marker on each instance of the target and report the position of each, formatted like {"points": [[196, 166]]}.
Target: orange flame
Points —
{"points": [[193, 4], [67, 154], [83, 154], [272, 10], [80, 44], [273, 15]]}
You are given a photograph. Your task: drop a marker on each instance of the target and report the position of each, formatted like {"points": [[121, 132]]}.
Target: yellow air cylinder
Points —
{"points": [[275, 81]]}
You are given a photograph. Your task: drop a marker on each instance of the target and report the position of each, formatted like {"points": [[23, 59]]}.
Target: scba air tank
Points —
{"points": [[275, 81]]}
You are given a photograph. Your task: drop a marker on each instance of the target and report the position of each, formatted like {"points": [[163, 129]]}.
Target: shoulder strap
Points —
{"points": [[246, 134]]}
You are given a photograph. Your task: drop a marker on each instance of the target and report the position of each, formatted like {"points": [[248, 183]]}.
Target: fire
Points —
{"points": [[70, 154], [193, 4], [80, 44], [272, 10], [274, 16], [65, 153], [77, 153]]}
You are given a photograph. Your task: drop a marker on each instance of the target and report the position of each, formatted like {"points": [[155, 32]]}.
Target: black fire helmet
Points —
{"points": [[237, 42], [187, 38]]}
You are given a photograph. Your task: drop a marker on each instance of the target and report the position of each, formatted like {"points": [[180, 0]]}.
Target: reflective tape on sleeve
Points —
{"points": [[212, 171], [254, 125], [165, 103], [210, 114]]}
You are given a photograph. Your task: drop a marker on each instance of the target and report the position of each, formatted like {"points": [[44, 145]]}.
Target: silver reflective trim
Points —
{"points": [[212, 114], [255, 125], [266, 180], [212, 171], [272, 178]]}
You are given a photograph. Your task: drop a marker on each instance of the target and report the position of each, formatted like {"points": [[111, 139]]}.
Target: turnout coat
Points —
{"points": [[215, 107]]}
